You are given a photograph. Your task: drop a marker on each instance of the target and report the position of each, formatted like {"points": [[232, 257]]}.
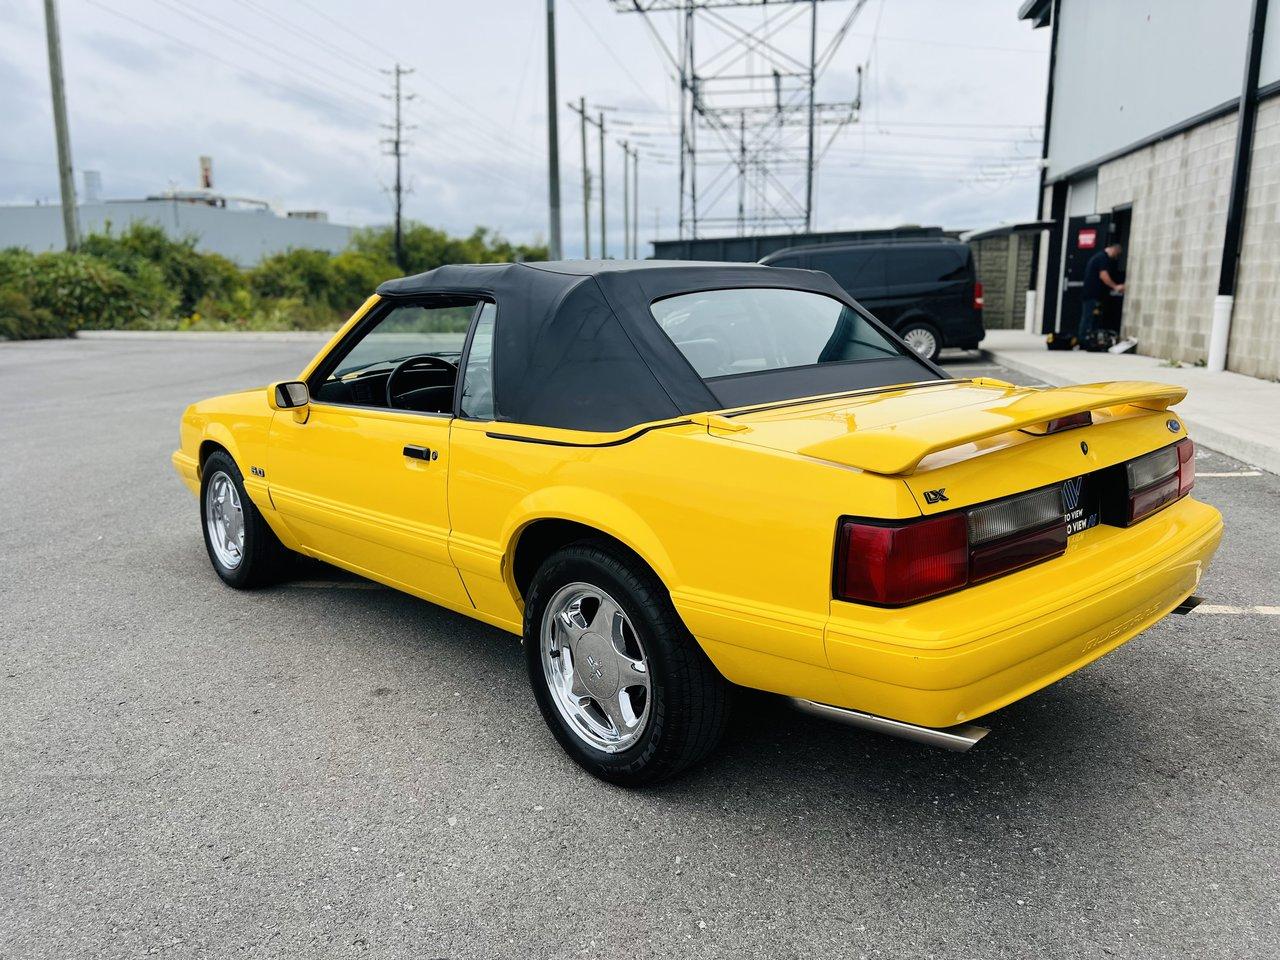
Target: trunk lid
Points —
{"points": [[974, 440]]}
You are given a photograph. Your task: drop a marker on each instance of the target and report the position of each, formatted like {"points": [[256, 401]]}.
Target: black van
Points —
{"points": [[926, 290]]}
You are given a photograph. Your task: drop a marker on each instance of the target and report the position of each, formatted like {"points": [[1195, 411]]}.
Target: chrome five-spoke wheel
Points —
{"points": [[224, 518], [595, 667]]}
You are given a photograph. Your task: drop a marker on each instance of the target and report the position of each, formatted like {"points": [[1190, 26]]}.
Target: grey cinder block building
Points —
{"points": [[1162, 130]]}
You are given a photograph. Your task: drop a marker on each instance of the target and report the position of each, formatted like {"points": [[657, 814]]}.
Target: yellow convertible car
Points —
{"points": [[675, 478]]}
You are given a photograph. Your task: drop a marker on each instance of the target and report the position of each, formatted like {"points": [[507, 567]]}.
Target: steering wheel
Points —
{"points": [[422, 362]]}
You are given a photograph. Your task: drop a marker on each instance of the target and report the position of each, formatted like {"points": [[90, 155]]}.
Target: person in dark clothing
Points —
{"points": [[1099, 277]]}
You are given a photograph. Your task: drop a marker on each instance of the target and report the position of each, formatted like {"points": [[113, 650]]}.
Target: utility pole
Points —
{"points": [[66, 177], [580, 108], [398, 143], [693, 151], [626, 199], [635, 204], [813, 79], [742, 174], [553, 135], [604, 237]]}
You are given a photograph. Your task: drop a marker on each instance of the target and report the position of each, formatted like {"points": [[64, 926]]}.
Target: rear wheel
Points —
{"points": [[922, 338], [244, 551], [620, 681]]}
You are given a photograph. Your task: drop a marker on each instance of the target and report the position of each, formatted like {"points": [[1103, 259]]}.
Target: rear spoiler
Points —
{"points": [[898, 448]]}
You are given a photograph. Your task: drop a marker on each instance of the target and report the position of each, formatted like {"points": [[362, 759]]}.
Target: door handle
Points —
{"points": [[420, 453]]}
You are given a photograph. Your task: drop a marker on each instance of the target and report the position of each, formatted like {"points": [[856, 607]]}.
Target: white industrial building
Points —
{"points": [[1144, 143], [242, 230]]}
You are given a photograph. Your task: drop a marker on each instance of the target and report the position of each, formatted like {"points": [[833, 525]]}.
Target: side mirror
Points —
{"points": [[290, 395]]}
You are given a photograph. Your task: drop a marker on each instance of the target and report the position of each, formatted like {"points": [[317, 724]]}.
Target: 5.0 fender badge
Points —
{"points": [[935, 496], [258, 471]]}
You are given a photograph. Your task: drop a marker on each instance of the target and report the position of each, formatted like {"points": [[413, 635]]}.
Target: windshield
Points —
{"points": [[724, 333]]}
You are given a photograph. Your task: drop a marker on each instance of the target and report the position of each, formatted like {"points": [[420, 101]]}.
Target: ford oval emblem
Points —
{"points": [[1173, 425]]}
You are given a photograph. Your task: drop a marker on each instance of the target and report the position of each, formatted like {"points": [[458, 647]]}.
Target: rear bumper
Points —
{"points": [[958, 657]]}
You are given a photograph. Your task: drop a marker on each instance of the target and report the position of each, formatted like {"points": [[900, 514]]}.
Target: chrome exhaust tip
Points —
{"points": [[958, 738], [1189, 604]]}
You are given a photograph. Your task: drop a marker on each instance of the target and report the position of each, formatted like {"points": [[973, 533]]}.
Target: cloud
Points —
{"points": [[288, 102]]}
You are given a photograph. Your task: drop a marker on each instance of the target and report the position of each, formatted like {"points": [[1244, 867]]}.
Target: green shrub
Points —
{"points": [[143, 279], [83, 292], [335, 285], [92, 295], [168, 267], [19, 320], [244, 311], [426, 248]]}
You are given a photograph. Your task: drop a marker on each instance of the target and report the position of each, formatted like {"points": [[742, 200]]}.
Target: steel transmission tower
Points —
{"points": [[749, 114]]}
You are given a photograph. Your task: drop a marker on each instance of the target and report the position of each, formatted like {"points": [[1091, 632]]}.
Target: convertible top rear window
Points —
{"points": [[723, 333], [758, 344]]}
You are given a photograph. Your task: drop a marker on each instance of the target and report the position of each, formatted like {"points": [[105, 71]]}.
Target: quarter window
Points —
{"points": [[477, 380]]}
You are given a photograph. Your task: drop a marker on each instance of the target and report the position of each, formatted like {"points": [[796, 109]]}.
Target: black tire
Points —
{"points": [[922, 327], [264, 559], [690, 701]]}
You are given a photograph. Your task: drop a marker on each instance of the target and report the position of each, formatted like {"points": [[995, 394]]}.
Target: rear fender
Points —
{"points": [[590, 508]]}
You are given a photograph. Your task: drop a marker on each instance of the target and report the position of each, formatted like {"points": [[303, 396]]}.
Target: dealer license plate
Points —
{"points": [[1081, 504]]}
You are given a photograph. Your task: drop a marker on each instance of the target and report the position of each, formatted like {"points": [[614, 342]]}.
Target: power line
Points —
{"points": [[292, 90], [295, 29], [950, 43], [472, 115], [237, 35], [362, 116], [608, 48]]}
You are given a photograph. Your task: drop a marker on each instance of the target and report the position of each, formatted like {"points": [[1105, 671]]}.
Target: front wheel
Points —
{"points": [[922, 338], [624, 687], [244, 551]]}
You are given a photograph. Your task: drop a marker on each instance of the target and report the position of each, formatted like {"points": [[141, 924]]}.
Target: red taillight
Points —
{"points": [[1159, 478], [1147, 501], [979, 298], [894, 565], [1017, 552], [1186, 466]]}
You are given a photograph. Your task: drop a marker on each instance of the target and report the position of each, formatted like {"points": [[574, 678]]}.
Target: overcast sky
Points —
{"points": [[285, 96]]}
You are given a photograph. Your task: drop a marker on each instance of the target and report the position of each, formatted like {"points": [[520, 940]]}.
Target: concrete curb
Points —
{"points": [[1251, 452]]}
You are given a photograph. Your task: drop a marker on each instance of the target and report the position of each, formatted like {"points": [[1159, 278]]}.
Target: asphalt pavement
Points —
{"points": [[328, 769]]}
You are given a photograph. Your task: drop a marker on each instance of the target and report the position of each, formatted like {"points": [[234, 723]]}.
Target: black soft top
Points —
{"points": [[577, 347]]}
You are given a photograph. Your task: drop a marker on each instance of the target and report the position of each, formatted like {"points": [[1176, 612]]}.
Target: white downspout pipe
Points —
{"points": [[1220, 332]]}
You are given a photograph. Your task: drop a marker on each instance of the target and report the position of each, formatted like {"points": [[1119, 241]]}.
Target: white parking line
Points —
{"points": [[1238, 473], [1222, 608], [338, 585]]}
